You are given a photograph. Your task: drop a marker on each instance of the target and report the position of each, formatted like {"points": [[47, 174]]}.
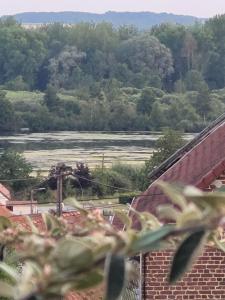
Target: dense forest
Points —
{"points": [[97, 77]]}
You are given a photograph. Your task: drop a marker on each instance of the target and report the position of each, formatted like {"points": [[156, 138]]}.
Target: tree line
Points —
{"points": [[97, 77]]}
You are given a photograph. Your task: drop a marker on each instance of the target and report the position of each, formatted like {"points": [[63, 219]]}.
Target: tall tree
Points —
{"points": [[7, 114], [16, 169]]}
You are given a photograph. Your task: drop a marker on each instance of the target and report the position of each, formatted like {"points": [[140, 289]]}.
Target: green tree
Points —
{"points": [[172, 36], [51, 100], [165, 146], [13, 166], [21, 53], [194, 81], [147, 99], [146, 57], [7, 114], [63, 67]]}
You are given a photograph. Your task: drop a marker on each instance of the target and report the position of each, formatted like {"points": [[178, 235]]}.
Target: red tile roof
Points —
{"points": [[72, 217], [200, 166], [90, 294], [5, 212]]}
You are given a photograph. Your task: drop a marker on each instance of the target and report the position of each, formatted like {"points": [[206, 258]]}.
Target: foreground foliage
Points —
{"points": [[64, 257]]}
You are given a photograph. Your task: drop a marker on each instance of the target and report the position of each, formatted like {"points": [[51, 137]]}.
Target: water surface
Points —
{"points": [[43, 150]]}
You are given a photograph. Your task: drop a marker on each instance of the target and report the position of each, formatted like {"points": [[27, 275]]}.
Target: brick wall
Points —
{"points": [[205, 281]]}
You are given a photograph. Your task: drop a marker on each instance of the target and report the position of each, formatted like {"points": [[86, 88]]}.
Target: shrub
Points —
{"points": [[130, 172], [108, 182], [127, 198]]}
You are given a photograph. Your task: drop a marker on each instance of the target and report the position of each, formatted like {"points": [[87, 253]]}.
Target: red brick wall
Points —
{"points": [[205, 281]]}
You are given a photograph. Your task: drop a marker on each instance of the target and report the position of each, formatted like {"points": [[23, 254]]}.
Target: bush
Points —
{"points": [[108, 182], [17, 84], [127, 198], [130, 172]]}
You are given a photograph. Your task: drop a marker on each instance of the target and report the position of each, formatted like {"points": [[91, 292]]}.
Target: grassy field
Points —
{"points": [[35, 97], [25, 96]]}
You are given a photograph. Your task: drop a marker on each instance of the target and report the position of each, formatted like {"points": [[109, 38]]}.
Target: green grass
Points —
{"points": [[25, 96], [67, 97]]}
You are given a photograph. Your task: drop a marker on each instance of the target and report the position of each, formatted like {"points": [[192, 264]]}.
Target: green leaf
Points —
{"points": [[146, 219], [9, 271], [115, 272], [77, 205], [168, 212], [89, 280], [51, 222], [72, 254], [215, 200], [173, 193], [151, 240], [124, 218], [6, 290], [34, 229], [4, 223], [186, 254], [219, 244]]}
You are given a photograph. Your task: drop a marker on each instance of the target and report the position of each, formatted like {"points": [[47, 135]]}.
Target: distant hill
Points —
{"points": [[142, 20]]}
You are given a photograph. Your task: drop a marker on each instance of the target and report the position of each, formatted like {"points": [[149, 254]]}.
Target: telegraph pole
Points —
{"points": [[59, 172], [59, 194]]}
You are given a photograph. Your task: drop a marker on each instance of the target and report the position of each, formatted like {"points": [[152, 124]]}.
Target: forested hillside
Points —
{"points": [[97, 77], [142, 20]]}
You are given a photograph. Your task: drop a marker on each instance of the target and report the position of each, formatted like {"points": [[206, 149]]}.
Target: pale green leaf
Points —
{"points": [[151, 240], [124, 218], [168, 212], [9, 271], [6, 290], [76, 204], [71, 253], [34, 229], [173, 193], [4, 223]]}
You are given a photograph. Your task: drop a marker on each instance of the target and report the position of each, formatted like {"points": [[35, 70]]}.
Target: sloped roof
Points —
{"points": [[4, 211], [4, 191], [20, 202], [72, 217], [199, 163]]}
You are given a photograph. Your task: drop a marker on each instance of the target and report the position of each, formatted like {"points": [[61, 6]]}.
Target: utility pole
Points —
{"points": [[58, 172], [59, 193], [32, 198], [31, 201]]}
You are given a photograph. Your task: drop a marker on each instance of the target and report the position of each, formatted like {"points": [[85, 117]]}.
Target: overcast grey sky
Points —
{"points": [[202, 8]]}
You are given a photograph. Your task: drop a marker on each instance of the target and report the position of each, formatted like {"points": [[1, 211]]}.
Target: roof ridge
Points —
{"points": [[163, 167]]}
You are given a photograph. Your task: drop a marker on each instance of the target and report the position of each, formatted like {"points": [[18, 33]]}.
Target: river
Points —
{"points": [[44, 150]]}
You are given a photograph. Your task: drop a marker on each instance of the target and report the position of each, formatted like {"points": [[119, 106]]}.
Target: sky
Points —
{"points": [[200, 8]]}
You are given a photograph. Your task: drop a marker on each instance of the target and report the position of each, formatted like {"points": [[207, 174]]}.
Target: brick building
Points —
{"points": [[200, 163]]}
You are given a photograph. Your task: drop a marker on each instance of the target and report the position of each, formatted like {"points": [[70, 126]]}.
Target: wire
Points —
{"points": [[102, 199], [18, 179], [103, 184], [84, 178]]}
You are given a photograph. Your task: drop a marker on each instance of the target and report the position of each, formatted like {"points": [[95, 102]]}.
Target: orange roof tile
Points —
{"points": [[199, 166], [5, 212]]}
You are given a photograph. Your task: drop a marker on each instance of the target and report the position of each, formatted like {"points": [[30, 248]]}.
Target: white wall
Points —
{"points": [[24, 209], [3, 199]]}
